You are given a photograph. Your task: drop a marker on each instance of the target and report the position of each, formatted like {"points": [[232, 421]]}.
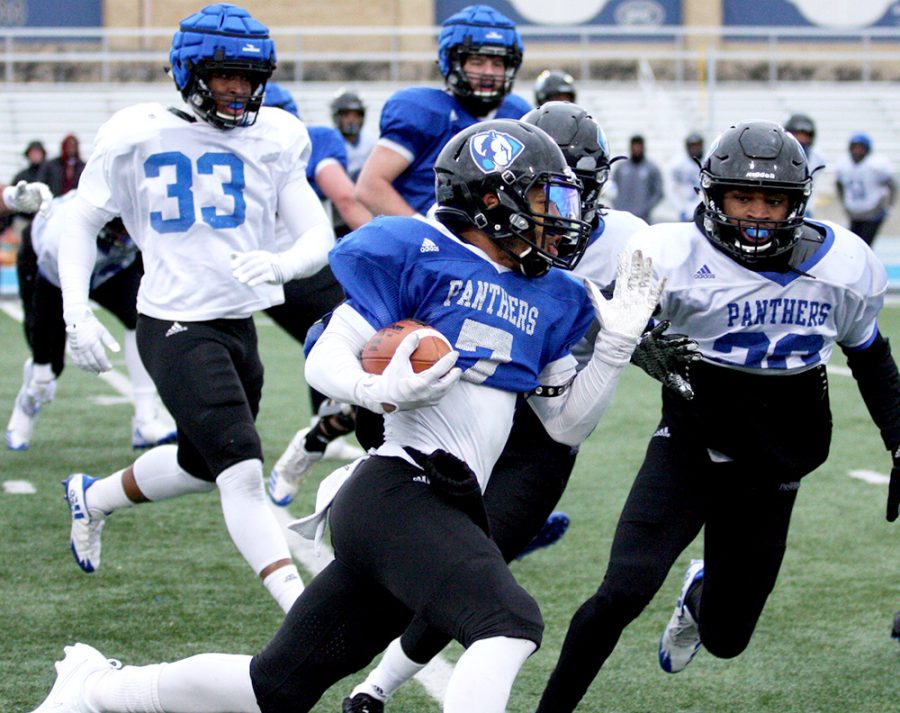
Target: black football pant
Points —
{"points": [[866, 229], [525, 485], [677, 492]]}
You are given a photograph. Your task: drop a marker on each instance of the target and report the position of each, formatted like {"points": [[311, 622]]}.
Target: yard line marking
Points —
{"points": [[433, 678], [870, 476], [18, 487]]}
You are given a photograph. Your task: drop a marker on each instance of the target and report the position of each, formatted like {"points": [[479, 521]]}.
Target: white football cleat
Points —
{"points": [[87, 524], [66, 696], [290, 469], [149, 433], [341, 449], [680, 640], [33, 394]]}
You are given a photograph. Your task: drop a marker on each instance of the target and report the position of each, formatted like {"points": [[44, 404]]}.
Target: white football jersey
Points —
{"points": [[190, 195], [46, 233], [600, 258], [866, 190], [780, 322]]}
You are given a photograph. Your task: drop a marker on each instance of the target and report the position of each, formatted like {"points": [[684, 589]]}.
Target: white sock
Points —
{"points": [[159, 477], [285, 585], [394, 669], [253, 527], [484, 675], [108, 494], [131, 689], [208, 683]]}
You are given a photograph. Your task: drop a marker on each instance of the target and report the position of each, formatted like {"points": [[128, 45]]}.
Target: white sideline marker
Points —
{"points": [[870, 476], [18, 487], [434, 677]]}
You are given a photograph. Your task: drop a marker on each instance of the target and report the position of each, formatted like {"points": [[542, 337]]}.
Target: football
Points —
{"points": [[381, 347]]}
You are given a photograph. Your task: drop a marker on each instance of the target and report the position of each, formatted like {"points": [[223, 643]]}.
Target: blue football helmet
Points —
{"points": [[478, 29], [524, 168], [221, 39], [280, 98]]}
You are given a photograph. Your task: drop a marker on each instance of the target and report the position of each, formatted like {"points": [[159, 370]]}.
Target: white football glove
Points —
{"points": [[399, 388], [256, 267], [635, 296], [88, 342], [28, 197]]}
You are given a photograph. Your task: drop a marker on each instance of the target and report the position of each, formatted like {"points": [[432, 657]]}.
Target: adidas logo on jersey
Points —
{"points": [[176, 328], [662, 433], [704, 273], [428, 246]]}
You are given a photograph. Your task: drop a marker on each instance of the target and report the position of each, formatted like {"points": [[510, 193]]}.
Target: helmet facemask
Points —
{"points": [[205, 103], [473, 88]]}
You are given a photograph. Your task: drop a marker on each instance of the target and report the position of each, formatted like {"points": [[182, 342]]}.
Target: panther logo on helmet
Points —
{"points": [[493, 151]]}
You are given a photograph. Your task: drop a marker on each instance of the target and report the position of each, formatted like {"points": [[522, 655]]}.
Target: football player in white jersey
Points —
{"points": [[114, 285], [198, 191], [407, 523], [866, 186], [533, 470], [767, 296]]}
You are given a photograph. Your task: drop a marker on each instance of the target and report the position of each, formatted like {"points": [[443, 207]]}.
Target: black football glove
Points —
{"points": [[663, 357], [893, 501]]}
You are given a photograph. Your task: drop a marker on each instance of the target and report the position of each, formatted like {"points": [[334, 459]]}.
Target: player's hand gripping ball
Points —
{"points": [[380, 348]]}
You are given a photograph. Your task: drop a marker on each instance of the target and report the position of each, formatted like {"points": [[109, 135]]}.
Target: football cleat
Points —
{"points": [[33, 394], [551, 532], [149, 433], [680, 641], [895, 630], [87, 524], [362, 703], [66, 696], [290, 469]]}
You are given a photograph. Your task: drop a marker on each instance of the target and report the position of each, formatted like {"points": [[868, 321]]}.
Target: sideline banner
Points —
{"points": [[627, 13], [826, 14], [51, 13]]}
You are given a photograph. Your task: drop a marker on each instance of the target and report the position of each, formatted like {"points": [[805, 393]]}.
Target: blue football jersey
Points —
{"points": [[418, 122], [505, 326], [327, 142]]}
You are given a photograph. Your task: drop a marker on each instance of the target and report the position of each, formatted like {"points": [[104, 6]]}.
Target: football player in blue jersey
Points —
{"points": [[767, 295], [479, 53], [533, 470], [198, 189], [408, 526]]}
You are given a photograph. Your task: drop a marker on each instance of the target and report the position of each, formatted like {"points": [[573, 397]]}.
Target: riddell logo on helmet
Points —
{"points": [[250, 48], [493, 35], [759, 174]]}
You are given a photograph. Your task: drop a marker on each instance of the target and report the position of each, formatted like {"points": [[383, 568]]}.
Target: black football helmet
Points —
{"points": [[509, 158], [584, 145], [343, 101], [553, 83], [801, 122], [755, 155]]}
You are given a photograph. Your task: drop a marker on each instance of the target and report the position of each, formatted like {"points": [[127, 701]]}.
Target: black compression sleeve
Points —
{"points": [[879, 383]]}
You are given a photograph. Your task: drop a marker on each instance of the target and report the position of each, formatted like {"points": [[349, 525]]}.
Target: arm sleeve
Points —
{"points": [[333, 366], [77, 255], [878, 380], [306, 221], [571, 417]]}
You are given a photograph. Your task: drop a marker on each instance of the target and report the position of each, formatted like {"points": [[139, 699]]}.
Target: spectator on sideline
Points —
{"points": [[408, 523], [554, 85], [637, 182], [62, 173], [684, 172], [479, 54], [349, 115], [199, 194], [866, 187], [768, 297], [114, 285]]}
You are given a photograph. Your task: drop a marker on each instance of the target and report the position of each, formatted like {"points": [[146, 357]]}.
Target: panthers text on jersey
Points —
{"points": [[417, 123], [776, 322], [508, 329], [190, 195]]}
